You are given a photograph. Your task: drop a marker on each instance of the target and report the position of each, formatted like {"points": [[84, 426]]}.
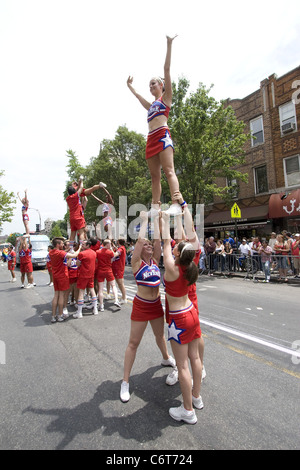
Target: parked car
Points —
{"points": [[40, 245]]}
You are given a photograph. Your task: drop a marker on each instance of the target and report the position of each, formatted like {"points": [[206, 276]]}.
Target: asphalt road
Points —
{"points": [[60, 382]]}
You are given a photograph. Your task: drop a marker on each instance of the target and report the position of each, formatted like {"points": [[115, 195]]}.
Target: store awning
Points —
{"points": [[280, 206], [248, 214]]}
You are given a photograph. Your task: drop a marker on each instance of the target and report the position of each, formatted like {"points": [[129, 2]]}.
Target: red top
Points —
{"points": [[104, 258], [179, 287], [120, 260], [25, 256], [75, 206], [88, 264], [59, 266]]}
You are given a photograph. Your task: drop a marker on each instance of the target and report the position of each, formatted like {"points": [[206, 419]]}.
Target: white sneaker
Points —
{"points": [[95, 311], [89, 306], [153, 212], [174, 209], [181, 414], [197, 402], [77, 315], [65, 312], [51, 284], [60, 318], [29, 286], [53, 320], [123, 301], [124, 393], [117, 304], [172, 378], [168, 362], [102, 185], [14, 279], [101, 308], [22, 286]]}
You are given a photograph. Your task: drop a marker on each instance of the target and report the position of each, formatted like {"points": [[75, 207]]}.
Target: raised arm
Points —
{"points": [[97, 199], [167, 95], [140, 241], [146, 104], [111, 201], [166, 238]]}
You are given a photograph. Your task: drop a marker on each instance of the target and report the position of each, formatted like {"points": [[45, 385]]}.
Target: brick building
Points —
{"points": [[270, 201]]}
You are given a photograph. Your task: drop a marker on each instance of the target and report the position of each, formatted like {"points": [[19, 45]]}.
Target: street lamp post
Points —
{"points": [[40, 224]]}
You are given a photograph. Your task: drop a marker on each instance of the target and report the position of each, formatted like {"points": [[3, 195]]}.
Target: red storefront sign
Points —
{"points": [[281, 206]]}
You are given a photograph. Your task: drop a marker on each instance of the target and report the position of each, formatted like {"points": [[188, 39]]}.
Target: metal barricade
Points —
{"points": [[281, 267]]}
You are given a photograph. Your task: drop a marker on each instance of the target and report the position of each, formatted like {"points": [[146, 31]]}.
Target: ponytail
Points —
{"points": [[187, 253]]}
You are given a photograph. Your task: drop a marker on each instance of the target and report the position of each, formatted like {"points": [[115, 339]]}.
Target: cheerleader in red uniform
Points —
{"points": [[25, 216], [184, 327], [11, 263], [147, 305], [159, 148]]}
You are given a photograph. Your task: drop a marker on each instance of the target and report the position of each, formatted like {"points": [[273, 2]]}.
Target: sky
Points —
{"points": [[65, 63]]}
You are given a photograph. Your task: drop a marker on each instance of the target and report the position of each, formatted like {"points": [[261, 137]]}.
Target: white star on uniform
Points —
{"points": [[167, 141], [174, 332]]}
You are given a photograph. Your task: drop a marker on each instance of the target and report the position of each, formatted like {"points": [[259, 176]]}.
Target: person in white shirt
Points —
{"points": [[245, 251]]}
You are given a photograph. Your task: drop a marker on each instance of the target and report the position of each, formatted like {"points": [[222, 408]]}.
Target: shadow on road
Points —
{"points": [[142, 425]]}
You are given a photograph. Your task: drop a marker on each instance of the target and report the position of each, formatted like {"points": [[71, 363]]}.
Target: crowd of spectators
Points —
{"points": [[279, 253]]}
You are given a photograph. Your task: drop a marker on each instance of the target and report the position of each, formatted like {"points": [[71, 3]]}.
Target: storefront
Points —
{"points": [[253, 221], [284, 210]]}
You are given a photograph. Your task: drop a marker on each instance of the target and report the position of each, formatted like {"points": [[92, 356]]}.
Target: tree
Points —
{"points": [[12, 238], [209, 143], [7, 200], [55, 231], [122, 166]]}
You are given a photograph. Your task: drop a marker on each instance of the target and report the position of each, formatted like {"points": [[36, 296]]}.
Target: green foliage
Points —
{"points": [[7, 201], [122, 167], [59, 229], [12, 238], [209, 143]]}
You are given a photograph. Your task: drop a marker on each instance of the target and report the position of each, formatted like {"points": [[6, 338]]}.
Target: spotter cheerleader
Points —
{"points": [[147, 305]]}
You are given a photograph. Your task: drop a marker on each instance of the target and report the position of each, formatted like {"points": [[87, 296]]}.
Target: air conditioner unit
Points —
{"points": [[288, 127]]}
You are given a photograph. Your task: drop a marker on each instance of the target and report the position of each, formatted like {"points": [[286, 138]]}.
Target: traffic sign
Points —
{"points": [[236, 212]]}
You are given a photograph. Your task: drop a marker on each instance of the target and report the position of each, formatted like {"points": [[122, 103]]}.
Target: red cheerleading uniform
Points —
{"points": [[25, 261], [77, 220], [184, 325], [148, 275], [158, 108], [118, 263], [60, 272], [11, 260], [25, 216], [104, 270], [158, 139], [73, 271], [86, 271]]}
